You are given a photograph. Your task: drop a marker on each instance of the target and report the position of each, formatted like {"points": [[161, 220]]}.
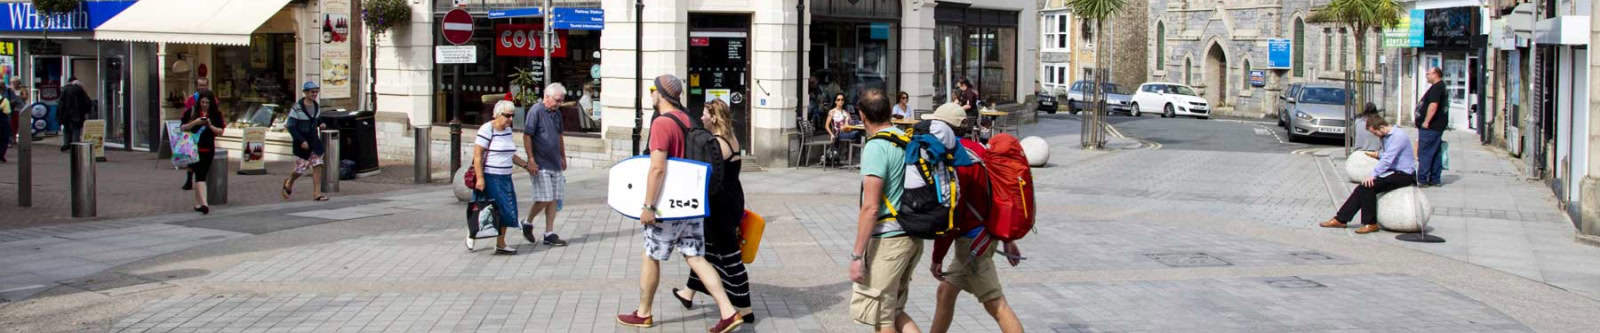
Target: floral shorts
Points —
{"points": [[686, 236], [303, 166]]}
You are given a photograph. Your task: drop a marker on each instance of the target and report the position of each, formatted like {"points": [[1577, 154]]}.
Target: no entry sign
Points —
{"points": [[457, 27]]}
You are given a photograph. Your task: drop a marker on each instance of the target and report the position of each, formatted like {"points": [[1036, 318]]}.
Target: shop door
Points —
{"points": [[1455, 83], [719, 67], [47, 77], [113, 102]]}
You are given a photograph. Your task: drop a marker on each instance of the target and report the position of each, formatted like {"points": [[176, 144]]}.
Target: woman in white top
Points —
{"points": [[494, 159], [901, 109]]}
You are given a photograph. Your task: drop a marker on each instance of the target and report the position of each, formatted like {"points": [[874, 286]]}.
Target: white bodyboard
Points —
{"points": [[683, 194]]}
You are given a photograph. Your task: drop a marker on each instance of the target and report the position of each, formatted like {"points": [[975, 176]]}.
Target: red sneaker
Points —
{"points": [[633, 319], [728, 324]]}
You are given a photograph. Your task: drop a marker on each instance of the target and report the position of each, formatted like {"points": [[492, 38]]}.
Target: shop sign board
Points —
{"points": [[1407, 33], [455, 54], [456, 27], [21, 16], [1280, 52], [1258, 78], [253, 157], [578, 18], [94, 132], [336, 48], [516, 12], [522, 40], [8, 60]]}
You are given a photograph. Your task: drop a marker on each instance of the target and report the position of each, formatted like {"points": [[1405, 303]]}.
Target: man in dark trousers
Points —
{"points": [[71, 112], [1433, 118]]}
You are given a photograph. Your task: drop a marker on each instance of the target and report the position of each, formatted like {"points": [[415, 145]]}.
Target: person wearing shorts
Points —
{"points": [[883, 256], [547, 151], [661, 238], [305, 120], [973, 269]]}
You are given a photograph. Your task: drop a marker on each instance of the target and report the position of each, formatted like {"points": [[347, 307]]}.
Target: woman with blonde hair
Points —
{"points": [[494, 159], [722, 226]]}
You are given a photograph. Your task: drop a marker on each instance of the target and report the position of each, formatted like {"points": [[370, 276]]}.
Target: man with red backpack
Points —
{"points": [[973, 268]]}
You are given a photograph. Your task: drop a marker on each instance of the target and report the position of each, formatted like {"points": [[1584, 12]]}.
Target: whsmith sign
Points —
{"points": [[20, 16]]}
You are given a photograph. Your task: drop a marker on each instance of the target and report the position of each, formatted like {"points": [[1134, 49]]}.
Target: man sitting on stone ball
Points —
{"points": [[1397, 167]]}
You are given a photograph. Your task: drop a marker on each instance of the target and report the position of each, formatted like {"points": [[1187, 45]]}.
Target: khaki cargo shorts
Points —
{"points": [[974, 275], [889, 265]]}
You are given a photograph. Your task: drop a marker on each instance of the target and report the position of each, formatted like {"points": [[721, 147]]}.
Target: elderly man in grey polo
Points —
{"points": [[541, 134]]}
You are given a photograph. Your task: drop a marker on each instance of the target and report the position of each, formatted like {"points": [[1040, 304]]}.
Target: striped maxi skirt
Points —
{"points": [[727, 258]]}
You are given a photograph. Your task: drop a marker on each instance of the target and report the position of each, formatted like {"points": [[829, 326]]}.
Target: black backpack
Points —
{"points": [[927, 211], [700, 145]]}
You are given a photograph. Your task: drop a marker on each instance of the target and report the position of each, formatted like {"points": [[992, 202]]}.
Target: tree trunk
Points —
{"points": [[1099, 78]]}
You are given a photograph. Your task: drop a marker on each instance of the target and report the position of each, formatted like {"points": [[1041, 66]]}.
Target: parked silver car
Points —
{"points": [[1317, 111]]}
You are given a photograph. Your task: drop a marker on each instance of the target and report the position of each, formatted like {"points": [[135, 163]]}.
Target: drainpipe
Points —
{"points": [[638, 71], [800, 66]]}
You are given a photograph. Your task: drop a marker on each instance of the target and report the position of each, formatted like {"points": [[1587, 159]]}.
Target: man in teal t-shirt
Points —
{"points": [[882, 257]]}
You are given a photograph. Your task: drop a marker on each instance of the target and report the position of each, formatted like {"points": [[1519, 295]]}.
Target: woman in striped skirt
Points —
{"points": [[722, 227]]}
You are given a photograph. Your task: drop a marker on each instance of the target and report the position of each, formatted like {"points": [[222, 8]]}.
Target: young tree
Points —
{"points": [[1363, 17], [1097, 11]]}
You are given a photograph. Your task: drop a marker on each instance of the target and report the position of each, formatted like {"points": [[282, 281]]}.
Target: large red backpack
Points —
{"points": [[1011, 213], [974, 180]]}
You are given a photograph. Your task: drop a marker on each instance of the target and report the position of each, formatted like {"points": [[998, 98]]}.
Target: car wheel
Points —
{"points": [[1135, 111], [1168, 112], [1072, 108], [1280, 120]]}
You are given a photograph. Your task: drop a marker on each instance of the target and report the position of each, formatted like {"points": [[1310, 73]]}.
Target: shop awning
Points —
{"points": [[215, 22]]}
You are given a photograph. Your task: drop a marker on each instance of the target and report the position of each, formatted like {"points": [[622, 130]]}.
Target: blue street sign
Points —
{"points": [[518, 12], [577, 18], [89, 15], [1279, 53]]}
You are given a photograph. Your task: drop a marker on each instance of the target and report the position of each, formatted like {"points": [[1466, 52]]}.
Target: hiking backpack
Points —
{"points": [[702, 146], [927, 201], [975, 195], [1011, 211]]}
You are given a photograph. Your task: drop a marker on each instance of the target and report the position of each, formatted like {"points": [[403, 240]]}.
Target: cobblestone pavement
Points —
{"points": [[1129, 241]]}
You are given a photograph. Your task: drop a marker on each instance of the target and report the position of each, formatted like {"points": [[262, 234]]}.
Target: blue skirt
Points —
{"points": [[500, 189]]}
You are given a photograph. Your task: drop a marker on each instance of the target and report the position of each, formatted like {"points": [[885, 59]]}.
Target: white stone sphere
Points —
{"points": [[1404, 209], [1037, 150], [458, 183], [1359, 166]]}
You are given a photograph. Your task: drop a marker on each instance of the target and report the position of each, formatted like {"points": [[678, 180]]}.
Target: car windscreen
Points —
{"points": [[1181, 90], [1113, 89], [1322, 96]]}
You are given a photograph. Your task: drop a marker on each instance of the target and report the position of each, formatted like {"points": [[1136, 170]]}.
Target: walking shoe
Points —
{"points": [[1332, 223], [750, 318], [527, 233], [554, 240], [505, 251], [472, 244], [1367, 229], [188, 186], [633, 319], [728, 324]]}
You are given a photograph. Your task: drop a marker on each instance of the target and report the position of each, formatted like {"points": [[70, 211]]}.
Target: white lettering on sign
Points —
{"points": [[24, 17]]}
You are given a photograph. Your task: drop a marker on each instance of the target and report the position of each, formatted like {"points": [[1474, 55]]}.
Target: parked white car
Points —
{"points": [[1170, 100]]}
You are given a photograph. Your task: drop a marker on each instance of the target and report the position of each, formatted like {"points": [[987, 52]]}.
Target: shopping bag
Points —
{"points": [[750, 230], [480, 219], [185, 145], [1444, 155]]}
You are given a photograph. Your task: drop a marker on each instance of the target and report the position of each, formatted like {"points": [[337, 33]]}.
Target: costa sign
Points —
{"points": [[522, 40]]}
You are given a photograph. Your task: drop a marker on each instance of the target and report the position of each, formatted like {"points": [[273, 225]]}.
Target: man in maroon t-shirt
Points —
{"points": [[663, 237]]}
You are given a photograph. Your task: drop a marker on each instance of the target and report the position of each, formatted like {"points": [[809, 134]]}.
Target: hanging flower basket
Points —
{"points": [[51, 7], [381, 15]]}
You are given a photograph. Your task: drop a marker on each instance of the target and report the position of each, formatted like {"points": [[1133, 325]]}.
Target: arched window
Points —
{"points": [[1299, 48], [1161, 46], [1188, 72], [1245, 79], [1088, 32]]}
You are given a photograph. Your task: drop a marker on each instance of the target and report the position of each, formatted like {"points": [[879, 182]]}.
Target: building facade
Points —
{"points": [[1068, 50], [1214, 46], [761, 55]]}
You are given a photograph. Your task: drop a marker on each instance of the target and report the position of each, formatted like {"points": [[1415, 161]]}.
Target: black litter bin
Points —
{"points": [[358, 137]]}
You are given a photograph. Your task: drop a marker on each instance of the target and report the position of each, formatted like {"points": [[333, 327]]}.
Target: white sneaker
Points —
{"points": [[472, 244]]}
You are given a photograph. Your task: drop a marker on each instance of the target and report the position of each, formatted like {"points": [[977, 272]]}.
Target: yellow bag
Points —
{"points": [[750, 229]]}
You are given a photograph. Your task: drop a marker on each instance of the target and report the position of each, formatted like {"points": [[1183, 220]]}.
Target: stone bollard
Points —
{"points": [[330, 161], [83, 183], [421, 161], [217, 180]]}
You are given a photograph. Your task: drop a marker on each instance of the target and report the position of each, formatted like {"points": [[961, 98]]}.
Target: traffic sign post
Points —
{"points": [[457, 29]]}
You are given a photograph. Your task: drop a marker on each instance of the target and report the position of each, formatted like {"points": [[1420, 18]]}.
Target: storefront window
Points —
{"points": [[986, 55], [250, 79], [854, 57]]}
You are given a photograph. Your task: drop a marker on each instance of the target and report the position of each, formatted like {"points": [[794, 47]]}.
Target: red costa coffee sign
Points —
{"points": [[522, 40]]}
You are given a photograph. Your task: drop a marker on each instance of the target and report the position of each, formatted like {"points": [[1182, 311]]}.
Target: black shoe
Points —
{"points": [[204, 210], [188, 186], [750, 318], [527, 233], [687, 303], [64, 148], [554, 240], [505, 251]]}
